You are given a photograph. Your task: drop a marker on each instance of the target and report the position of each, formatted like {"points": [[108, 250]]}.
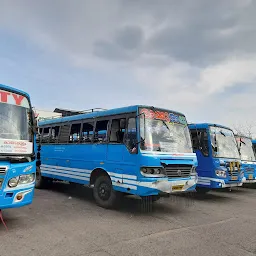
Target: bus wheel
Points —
{"points": [[104, 194], [201, 190], [40, 181]]}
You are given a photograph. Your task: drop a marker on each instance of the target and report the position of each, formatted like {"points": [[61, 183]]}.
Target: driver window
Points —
{"points": [[131, 135], [200, 141]]}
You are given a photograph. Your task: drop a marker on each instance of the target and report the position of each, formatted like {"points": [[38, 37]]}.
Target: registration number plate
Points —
{"points": [[234, 178], [250, 176], [177, 187]]}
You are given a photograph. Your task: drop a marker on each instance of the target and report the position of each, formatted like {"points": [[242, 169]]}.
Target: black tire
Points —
{"points": [[104, 194], [202, 191], [41, 182]]}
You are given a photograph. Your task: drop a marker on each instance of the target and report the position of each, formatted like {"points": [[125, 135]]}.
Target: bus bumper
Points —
{"points": [[249, 181], [16, 198], [166, 187]]}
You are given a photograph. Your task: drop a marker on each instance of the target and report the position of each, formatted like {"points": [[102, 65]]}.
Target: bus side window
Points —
{"points": [[204, 139], [55, 134], [64, 133], [87, 132], [38, 135], [46, 135], [131, 135], [74, 136], [195, 140], [200, 141], [117, 130], [101, 131]]}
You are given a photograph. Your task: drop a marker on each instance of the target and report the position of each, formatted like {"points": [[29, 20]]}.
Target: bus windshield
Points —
{"points": [[246, 149], [15, 120], [164, 132], [223, 143]]}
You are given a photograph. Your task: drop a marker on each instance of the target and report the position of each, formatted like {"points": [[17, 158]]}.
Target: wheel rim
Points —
{"points": [[104, 191]]}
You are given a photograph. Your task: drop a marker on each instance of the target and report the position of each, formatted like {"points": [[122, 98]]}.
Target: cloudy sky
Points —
{"points": [[197, 57]]}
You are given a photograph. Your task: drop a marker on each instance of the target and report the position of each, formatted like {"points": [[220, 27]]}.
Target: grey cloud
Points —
{"points": [[129, 37], [124, 45], [189, 31], [198, 32]]}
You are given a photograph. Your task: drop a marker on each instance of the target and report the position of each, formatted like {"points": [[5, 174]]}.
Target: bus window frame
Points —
{"points": [[42, 135], [201, 143], [117, 117], [128, 116], [90, 120], [80, 132], [99, 119]]}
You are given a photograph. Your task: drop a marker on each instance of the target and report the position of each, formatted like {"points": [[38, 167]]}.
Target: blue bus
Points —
{"points": [[248, 159], [17, 148], [136, 150], [254, 145], [218, 157]]}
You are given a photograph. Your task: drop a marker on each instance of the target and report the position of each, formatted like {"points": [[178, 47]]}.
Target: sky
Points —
{"points": [[196, 57]]}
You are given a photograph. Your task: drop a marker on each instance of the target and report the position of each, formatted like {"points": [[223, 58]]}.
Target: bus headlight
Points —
{"points": [[221, 173], [21, 180], [152, 171], [25, 179], [13, 182]]}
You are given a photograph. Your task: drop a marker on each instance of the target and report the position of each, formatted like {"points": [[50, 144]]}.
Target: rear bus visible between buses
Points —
{"points": [[219, 164], [247, 157], [135, 150]]}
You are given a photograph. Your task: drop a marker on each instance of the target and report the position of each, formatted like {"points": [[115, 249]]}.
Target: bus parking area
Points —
{"points": [[65, 220]]}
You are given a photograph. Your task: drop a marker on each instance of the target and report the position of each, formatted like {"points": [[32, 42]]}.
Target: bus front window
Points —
{"points": [[15, 127], [246, 149], [223, 143], [164, 136]]}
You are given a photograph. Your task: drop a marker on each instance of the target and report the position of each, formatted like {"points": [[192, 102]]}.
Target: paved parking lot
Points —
{"points": [[64, 221]]}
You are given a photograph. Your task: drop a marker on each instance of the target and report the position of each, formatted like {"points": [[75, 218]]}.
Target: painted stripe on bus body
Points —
{"points": [[66, 175], [126, 176], [66, 172]]}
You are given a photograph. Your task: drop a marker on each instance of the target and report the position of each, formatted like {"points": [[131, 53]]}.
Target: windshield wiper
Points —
{"points": [[166, 125], [243, 142], [222, 133]]}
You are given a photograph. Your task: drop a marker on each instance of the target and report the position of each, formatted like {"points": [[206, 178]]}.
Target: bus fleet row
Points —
{"points": [[137, 150]]}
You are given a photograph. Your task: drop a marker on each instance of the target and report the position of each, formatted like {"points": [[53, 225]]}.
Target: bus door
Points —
{"points": [[122, 147], [200, 140], [116, 144]]}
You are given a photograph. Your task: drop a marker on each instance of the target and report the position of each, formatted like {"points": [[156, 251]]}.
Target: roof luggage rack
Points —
{"points": [[68, 112]]}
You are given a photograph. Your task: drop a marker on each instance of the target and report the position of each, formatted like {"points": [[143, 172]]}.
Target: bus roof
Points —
{"points": [[9, 88], [206, 125], [114, 111]]}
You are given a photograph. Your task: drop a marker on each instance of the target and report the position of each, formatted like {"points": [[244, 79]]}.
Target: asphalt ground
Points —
{"points": [[64, 220]]}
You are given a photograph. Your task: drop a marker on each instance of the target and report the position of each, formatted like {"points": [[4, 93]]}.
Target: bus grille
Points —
{"points": [[2, 173], [178, 170], [2, 170]]}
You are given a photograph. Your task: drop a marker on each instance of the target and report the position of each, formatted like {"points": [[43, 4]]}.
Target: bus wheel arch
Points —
{"points": [[103, 192], [97, 173]]}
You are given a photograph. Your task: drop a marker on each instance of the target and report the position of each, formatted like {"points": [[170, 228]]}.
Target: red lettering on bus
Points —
{"points": [[4, 96], [18, 98]]}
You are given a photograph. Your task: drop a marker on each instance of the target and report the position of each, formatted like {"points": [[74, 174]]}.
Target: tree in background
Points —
{"points": [[247, 129]]}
